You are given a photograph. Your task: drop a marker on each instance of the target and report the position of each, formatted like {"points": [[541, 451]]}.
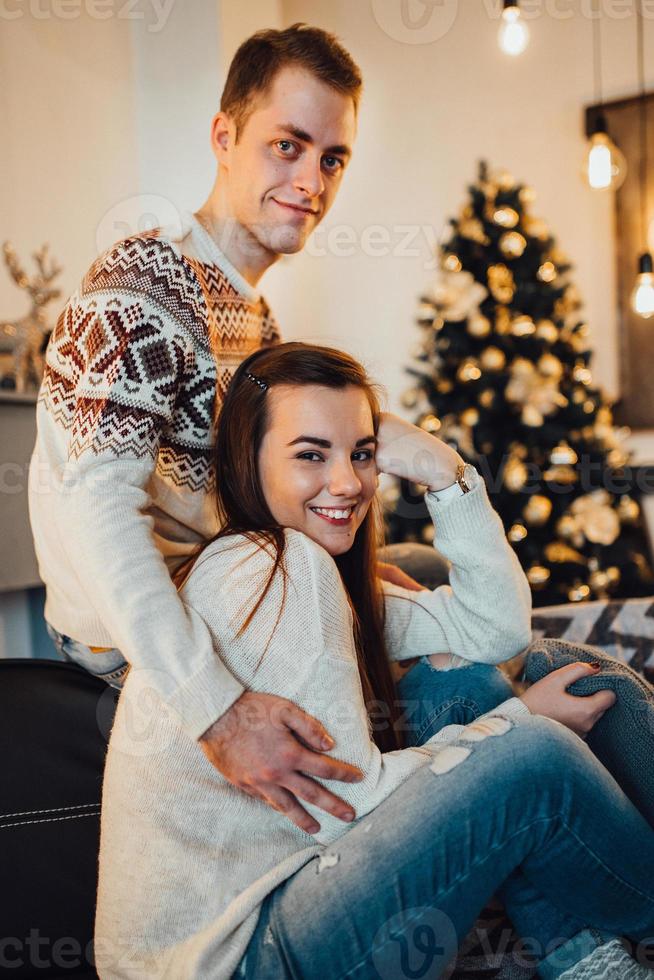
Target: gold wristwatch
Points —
{"points": [[467, 478]]}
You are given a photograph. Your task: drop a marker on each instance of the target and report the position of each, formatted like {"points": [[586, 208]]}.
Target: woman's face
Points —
{"points": [[317, 461]]}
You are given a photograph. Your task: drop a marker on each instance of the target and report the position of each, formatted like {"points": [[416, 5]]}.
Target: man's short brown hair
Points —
{"points": [[257, 61]]}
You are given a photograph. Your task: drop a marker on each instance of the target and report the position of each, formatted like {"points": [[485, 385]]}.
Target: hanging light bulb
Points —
{"points": [[605, 166], [513, 34], [642, 295]]}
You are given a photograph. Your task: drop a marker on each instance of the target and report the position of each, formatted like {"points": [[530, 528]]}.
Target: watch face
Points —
{"points": [[470, 476]]}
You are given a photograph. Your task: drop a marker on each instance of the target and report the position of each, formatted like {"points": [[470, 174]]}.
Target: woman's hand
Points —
{"points": [[409, 452], [549, 697]]}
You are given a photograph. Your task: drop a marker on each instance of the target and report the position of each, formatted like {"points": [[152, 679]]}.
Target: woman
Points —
{"points": [[199, 879]]}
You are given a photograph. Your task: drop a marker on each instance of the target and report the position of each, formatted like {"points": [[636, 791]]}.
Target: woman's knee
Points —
{"points": [[491, 686]]}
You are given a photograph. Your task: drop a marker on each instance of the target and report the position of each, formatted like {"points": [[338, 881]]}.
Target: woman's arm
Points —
{"points": [[310, 659]]}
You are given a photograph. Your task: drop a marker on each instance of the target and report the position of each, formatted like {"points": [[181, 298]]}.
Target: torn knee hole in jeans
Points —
{"points": [[450, 756]]}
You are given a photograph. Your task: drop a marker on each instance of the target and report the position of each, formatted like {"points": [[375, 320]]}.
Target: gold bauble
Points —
{"points": [[522, 326], [410, 397], [579, 592], [470, 416], [628, 510], [486, 398], [578, 395], [492, 359], [479, 325], [581, 374], [468, 370], [504, 180], [537, 511], [517, 533], [536, 227], [473, 229], [563, 475], [599, 581], [500, 282], [613, 573], [550, 365], [512, 244], [504, 216], [538, 576], [563, 455], [430, 423], [547, 272], [515, 474], [527, 195], [451, 262], [531, 416], [444, 386], [502, 320], [547, 331], [559, 551], [588, 406], [566, 526]]}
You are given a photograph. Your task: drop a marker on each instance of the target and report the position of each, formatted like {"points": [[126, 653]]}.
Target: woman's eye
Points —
{"points": [[307, 454], [366, 455]]}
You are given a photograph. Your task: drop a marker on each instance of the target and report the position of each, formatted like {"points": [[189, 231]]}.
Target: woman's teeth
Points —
{"points": [[337, 515]]}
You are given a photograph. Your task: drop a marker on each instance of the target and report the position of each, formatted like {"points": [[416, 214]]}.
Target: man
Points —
{"points": [[137, 366]]}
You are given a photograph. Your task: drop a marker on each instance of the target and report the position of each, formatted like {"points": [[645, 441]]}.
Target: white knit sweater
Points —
{"points": [[186, 859]]}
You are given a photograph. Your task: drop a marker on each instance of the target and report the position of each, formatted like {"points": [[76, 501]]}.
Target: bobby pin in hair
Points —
{"points": [[257, 381]]}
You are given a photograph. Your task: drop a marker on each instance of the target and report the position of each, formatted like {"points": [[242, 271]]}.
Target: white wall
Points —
{"points": [[430, 112]]}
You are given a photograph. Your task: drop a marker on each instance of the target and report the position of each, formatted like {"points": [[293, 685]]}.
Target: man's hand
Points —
{"points": [[265, 744], [391, 573], [549, 697]]}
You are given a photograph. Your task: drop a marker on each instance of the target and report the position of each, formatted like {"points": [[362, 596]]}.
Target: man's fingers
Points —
{"points": [[306, 727], [311, 791], [280, 799], [327, 768]]}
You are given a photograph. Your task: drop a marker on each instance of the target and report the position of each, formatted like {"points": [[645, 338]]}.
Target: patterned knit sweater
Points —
{"points": [[120, 486], [186, 858]]}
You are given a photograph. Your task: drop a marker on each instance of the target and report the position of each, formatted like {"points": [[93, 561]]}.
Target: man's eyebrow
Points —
{"points": [[326, 444], [301, 134]]}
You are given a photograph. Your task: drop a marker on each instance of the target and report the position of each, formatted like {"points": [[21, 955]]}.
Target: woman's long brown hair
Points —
{"points": [[242, 508]]}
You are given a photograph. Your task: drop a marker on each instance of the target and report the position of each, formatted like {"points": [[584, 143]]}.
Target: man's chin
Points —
{"points": [[286, 240]]}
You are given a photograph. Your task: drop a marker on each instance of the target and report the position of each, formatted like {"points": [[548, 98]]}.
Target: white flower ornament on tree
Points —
{"points": [[457, 295]]}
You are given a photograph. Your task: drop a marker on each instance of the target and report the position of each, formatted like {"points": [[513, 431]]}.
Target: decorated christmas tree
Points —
{"points": [[502, 373]]}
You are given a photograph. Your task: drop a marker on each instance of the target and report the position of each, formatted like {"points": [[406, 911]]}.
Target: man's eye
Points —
{"points": [[286, 147], [332, 163]]}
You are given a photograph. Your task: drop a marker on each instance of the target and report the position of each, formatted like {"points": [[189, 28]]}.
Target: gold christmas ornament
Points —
{"points": [[563, 455], [581, 374], [547, 331], [578, 395], [579, 592], [472, 229], [430, 423], [527, 195], [628, 510], [515, 474], [468, 370], [596, 518], [537, 511], [470, 416], [504, 180], [502, 320], [550, 365], [559, 551], [479, 325], [512, 244], [451, 262], [536, 227], [613, 573], [538, 576], [599, 582], [522, 326], [567, 527], [486, 398], [588, 406], [538, 395], [531, 416], [410, 398], [563, 475], [517, 533], [457, 295], [492, 359], [444, 386], [501, 282], [547, 272], [505, 217]]}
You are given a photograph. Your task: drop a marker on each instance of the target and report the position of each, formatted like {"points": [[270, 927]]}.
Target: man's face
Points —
{"points": [[285, 169]]}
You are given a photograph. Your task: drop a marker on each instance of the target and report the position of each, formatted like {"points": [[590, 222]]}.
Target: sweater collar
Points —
{"points": [[212, 255]]}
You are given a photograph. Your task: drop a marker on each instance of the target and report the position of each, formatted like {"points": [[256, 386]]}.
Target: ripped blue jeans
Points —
{"points": [[530, 815]]}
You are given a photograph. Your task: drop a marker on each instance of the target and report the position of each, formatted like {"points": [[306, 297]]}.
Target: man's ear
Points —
{"points": [[223, 137]]}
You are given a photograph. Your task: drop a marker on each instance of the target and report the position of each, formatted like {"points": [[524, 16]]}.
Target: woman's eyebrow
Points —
{"points": [[326, 444]]}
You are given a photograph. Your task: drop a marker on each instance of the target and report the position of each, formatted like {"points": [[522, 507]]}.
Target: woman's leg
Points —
{"points": [[395, 895]]}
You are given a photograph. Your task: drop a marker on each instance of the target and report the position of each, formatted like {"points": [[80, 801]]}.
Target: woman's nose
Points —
{"points": [[343, 481]]}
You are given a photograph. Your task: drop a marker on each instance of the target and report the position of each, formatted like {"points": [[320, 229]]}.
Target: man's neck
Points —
{"points": [[236, 242]]}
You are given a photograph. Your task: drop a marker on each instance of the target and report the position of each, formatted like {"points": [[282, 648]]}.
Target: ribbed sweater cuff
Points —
{"points": [[513, 708], [205, 697]]}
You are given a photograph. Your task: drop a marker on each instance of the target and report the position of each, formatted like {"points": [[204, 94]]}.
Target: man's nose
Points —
{"points": [[309, 178]]}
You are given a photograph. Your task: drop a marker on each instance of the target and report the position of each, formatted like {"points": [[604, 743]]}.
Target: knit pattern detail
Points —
{"points": [[142, 355]]}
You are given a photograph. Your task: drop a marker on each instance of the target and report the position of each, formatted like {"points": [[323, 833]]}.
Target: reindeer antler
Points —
{"points": [[17, 272], [36, 286], [46, 275]]}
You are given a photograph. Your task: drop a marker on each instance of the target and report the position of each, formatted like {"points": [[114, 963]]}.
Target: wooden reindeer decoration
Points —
{"points": [[27, 336]]}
